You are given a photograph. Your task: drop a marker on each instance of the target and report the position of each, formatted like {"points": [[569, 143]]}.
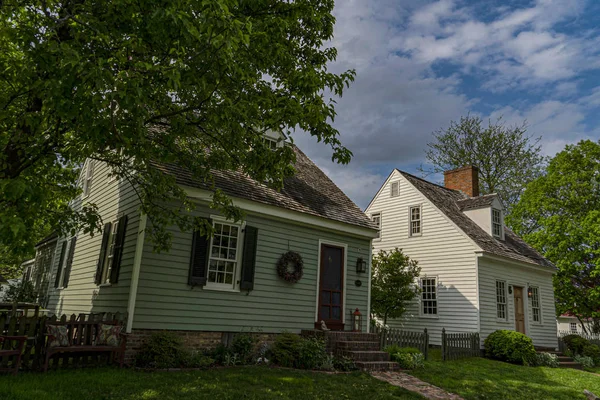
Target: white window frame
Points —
{"points": [[110, 254], [497, 224], [271, 143], [422, 300], [87, 177], [397, 185], [410, 220], [571, 326], [235, 285], [535, 297], [373, 217], [498, 298]]}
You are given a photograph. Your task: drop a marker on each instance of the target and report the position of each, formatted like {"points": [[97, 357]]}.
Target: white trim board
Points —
{"points": [[135, 273], [285, 214]]}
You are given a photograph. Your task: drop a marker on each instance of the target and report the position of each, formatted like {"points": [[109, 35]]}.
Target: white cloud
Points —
{"points": [[399, 97]]}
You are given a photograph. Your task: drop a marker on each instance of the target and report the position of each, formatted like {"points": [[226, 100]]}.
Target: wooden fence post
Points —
{"points": [[426, 340], [443, 344]]}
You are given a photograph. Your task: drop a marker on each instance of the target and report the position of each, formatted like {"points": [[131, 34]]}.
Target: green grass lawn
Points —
{"points": [[480, 378], [226, 383]]}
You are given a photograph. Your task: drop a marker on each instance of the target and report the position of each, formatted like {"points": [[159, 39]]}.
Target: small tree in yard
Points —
{"points": [[22, 292], [392, 284]]}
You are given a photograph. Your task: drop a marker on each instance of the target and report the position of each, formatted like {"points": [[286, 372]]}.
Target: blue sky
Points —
{"points": [[421, 64]]}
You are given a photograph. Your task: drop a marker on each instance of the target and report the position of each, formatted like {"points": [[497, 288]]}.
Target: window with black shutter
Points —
{"points": [[198, 259], [249, 258], [59, 269], [111, 252], [69, 263]]}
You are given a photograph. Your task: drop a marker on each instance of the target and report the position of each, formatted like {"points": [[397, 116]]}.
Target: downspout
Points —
{"points": [[135, 273]]}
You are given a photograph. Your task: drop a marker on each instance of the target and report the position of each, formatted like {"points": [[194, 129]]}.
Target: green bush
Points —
{"points": [[311, 354], [575, 343], [344, 364], [162, 350], [409, 359], [285, 349], [546, 360], [244, 346], [392, 349], [592, 351], [510, 346], [587, 362], [194, 359]]}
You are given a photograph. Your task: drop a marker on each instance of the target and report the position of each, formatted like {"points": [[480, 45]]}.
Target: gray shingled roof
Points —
{"points": [[309, 191], [450, 201], [472, 203]]}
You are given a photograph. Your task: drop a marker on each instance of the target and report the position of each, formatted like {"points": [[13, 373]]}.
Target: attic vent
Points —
{"points": [[395, 189]]}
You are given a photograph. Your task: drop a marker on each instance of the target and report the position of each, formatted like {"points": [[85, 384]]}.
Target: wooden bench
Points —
{"points": [[82, 336], [15, 344]]}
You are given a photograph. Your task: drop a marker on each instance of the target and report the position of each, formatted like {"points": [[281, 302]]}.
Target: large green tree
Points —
{"points": [[133, 83], [559, 214], [393, 276], [507, 158]]}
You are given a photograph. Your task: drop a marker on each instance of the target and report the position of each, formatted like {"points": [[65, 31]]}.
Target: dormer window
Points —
{"points": [[497, 222], [270, 143]]}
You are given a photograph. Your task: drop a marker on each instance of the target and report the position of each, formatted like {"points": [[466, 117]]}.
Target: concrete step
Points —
{"points": [[377, 365], [570, 364], [565, 359], [358, 346], [367, 355]]}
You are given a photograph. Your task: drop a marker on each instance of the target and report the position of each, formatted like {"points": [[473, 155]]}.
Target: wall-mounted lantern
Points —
{"points": [[529, 292], [356, 321], [361, 265]]}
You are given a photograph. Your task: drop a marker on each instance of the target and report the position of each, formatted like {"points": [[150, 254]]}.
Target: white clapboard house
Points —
{"points": [[476, 274]]}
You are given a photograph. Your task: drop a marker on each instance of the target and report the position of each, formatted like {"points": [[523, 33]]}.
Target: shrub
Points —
{"points": [[409, 359], [392, 349], [587, 362], [510, 346], [162, 350], [311, 354], [244, 346], [195, 359], [575, 343], [546, 360], [592, 351], [285, 349], [344, 364]]}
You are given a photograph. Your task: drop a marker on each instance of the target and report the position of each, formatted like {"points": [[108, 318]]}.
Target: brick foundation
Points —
{"points": [[192, 340]]}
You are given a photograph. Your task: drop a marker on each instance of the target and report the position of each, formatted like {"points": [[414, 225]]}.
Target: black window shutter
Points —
{"points": [[118, 249], [199, 259], [249, 257], [69, 262], [60, 264], [105, 237]]}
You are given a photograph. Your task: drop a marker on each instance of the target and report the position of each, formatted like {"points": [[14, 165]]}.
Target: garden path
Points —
{"points": [[413, 384]]}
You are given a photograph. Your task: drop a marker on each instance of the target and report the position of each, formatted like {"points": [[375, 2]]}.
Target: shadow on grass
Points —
{"points": [[227, 383], [477, 378]]}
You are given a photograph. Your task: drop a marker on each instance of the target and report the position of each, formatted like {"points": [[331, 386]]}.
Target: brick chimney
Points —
{"points": [[465, 179]]}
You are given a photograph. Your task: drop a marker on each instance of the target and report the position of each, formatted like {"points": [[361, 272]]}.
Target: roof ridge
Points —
{"points": [[426, 181]]}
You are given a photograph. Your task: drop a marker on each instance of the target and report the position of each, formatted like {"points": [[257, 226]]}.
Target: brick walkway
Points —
{"points": [[415, 385]]}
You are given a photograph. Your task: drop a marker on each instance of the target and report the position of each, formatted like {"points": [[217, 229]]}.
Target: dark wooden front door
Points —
{"points": [[519, 310], [331, 287]]}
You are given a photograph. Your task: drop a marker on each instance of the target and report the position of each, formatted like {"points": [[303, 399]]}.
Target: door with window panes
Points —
{"points": [[331, 287]]}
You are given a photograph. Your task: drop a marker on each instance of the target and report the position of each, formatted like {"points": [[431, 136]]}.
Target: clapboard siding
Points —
{"points": [[166, 301], [113, 199], [544, 333], [442, 250]]}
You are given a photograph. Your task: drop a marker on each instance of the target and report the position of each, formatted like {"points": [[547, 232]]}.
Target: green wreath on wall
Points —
{"points": [[290, 267]]}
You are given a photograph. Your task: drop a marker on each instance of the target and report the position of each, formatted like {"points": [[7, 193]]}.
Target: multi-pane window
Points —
{"points": [[429, 296], [270, 143], [395, 189], [573, 327], [501, 299], [535, 305], [110, 254], [377, 219], [496, 222], [224, 254], [87, 178], [415, 220]]}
